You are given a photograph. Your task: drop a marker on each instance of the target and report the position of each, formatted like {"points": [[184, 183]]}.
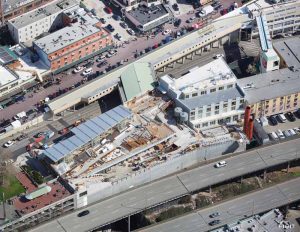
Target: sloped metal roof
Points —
{"points": [[87, 131]]}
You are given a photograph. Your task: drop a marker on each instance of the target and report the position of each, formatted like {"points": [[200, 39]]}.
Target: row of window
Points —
{"points": [[203, 92], [219, 122]]}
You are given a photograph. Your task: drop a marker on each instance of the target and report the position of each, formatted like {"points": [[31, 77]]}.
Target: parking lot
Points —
{"points": [[101, 13], [283, 126]]}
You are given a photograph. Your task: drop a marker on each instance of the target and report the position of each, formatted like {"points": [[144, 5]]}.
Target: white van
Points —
{"points": [[280, 134], [282, 118], [87, 71], [20, 115], [273, 136]]}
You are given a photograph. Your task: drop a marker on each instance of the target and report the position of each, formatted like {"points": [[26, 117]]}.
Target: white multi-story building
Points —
{"points": [[209, 94], [34, 23], [282, 17]]}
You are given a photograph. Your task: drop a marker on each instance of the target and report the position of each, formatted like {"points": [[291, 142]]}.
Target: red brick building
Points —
{"points": [[73, 44]]}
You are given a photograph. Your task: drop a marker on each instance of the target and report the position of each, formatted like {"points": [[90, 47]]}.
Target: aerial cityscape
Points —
{"points": [[150, 115]]}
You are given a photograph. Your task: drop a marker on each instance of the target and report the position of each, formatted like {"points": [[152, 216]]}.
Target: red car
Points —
{"points": [[224, 11], [108, 10]]}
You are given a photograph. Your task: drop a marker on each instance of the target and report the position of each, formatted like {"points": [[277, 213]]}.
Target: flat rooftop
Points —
{"points": [[6, 76], [42, 12], [261, 4], [66, 36], [216, 72], [144, 14], [289, 50], [270, 85]]}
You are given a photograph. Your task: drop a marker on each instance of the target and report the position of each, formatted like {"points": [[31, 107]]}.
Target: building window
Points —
{"points": [[221, 87], [208, 114], [203, 92], [213, 90], [229, 86], [187, 96], [205, 124], [212, 123], [194, 94], [208, 109]]}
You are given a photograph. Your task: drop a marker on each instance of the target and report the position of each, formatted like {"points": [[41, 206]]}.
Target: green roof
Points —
{"points": [[137, 79], [39, 192]]}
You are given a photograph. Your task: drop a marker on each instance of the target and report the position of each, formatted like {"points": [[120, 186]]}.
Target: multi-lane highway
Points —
{"points": [[163, 190], [233, 210]]}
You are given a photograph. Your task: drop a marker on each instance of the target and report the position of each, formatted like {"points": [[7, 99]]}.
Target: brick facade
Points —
{"points": [[80, 49]]}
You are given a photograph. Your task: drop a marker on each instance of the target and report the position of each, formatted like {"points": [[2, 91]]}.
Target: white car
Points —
{"points": [[87, 72], [220, 164], [166, 32], [217, 56], [130, 31], [8, 143], [78, 69], [112, 52]]}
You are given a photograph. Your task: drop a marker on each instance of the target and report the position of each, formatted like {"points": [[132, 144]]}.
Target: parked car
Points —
{"points": [[117, 17], [220, 164], [103, 20], [78, 69], [191, 19], [292, 132], [213, 215], [177, 22], [217, 7], [108, 10], [290, 116], [100, 59], [282, 118], [175, 7], [119, 37], [83, 213], [130, 31], [110, 28], [93, 11], [112, 52], [273, 120], [214, 222], [215, 3], [286, 133], [124, 25], [273, 136], [87, 72], [8, 143], [280, 134]]}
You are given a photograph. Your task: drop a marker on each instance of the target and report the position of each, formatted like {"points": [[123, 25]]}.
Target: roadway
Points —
{"points": [[163, 190], [233, 210]]}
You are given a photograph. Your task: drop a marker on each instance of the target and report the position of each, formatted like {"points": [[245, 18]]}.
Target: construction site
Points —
{"points": [[151, 139]]}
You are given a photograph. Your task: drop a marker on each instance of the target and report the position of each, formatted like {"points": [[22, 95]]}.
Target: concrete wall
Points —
{"points": [[178, 163]]}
